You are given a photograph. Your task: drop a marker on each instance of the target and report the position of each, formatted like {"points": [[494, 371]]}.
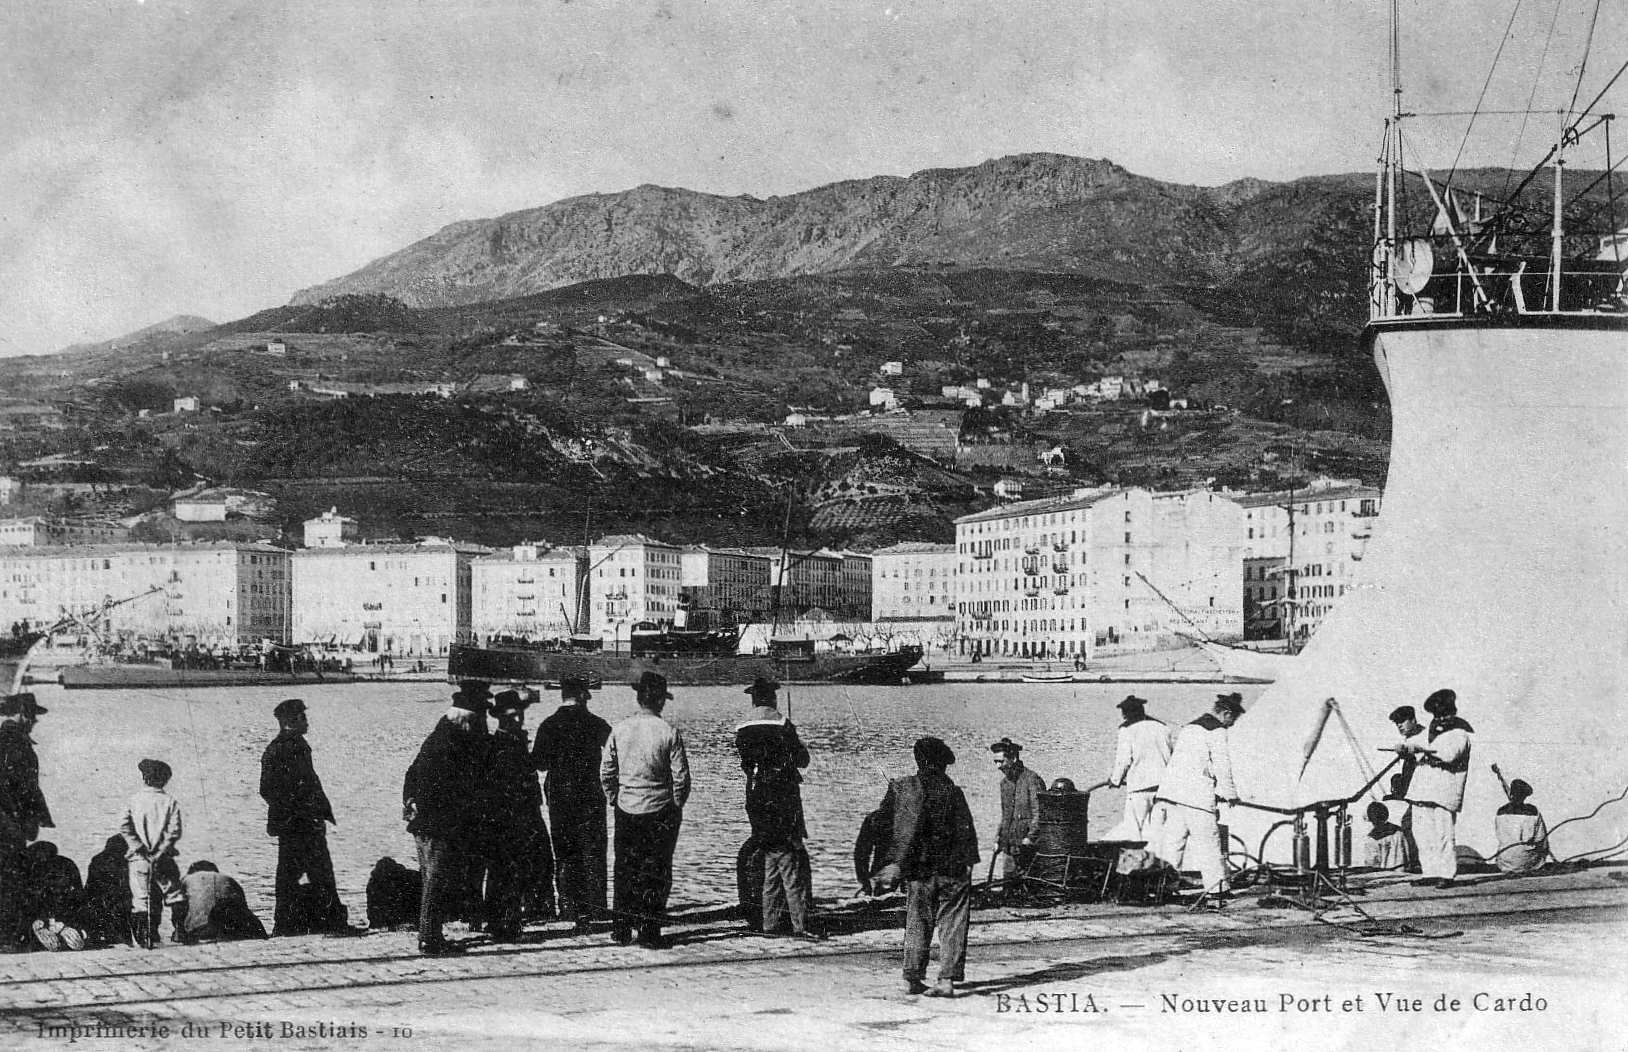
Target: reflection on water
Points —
{"points": [[364, 735]]}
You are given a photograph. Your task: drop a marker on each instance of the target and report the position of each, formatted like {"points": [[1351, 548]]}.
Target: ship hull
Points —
{"points": [[689, 670], [155, 677]]}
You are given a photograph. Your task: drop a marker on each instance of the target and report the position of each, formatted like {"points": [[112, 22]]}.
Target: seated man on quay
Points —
{"points": [[1523, 839]]}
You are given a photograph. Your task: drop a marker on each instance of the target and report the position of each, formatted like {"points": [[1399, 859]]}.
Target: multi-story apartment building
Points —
{"points": [[855, 600], [1127, 569], [913, 581], [408, 599], [1301, 552], [725, 586], [209, 594], [838, 584], [631, 579], [529, 592]]}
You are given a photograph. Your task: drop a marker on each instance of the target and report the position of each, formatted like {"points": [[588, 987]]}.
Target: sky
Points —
{"points": [[211, 157]]}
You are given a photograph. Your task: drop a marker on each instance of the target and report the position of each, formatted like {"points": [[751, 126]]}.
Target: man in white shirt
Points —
{"points": [[1435, 793], [1139, 764], [1199, 774], [645, 772]]}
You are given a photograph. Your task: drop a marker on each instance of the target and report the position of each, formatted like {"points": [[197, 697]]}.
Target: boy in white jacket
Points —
{"points": [[151, 827]]}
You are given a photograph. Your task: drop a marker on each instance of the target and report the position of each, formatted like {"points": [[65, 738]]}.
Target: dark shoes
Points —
{"points": [[440, 948], [654, 940], [914, 986], [622, 936]]}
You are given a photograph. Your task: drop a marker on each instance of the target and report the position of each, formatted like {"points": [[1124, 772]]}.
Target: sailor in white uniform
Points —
{"points": [[1198, 775]]}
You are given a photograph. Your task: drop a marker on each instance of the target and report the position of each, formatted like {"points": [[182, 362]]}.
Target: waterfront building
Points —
{"points": [[1128, 569], [913, 581], [407, 599], [209, 594], [805, 581], [529, 592], [631, 579], [725, 586], [1311, 567], [331, 530]]}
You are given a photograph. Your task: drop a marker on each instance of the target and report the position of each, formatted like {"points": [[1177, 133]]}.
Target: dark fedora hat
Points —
{"points": [[762, 685], [473, 695], [1006, 746], [1233, 703], [1133, 702], [652, 683], [21, 704], [575, 686]]}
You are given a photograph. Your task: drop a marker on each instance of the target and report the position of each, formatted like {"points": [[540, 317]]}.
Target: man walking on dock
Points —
{"points": [[645, 772], [567, 751], [297, 814], [933, 847]]}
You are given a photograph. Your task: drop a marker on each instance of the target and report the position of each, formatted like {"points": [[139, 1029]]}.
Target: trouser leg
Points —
{"points": [[1138, 811], [799, 890], [918, 928], [750, 877], [953, 915], [1433, 828], [661, 873], [629, 846], [436, 865]]}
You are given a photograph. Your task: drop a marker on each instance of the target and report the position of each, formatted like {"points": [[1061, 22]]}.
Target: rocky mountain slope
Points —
{"points": [[1046, 211]]}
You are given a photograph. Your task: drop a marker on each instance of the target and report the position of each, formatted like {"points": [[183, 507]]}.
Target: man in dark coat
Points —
{"points": [[933, 849], [442, 800], [23, 812], [513, 825], [567, 751], [297, 814]]}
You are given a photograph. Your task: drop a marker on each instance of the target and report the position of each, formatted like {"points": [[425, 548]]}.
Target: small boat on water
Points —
{"points": [[1048, 676], [1242, 665]]}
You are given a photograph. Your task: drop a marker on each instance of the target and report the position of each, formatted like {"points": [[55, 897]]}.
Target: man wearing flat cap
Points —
{"points": [[567, 751], [772, 871], [932, 849], [297, 814], [1199, 774], [1020, 810], [1408, 730], [645, 773], [442, 800], [1435, 794], [1140, 758], [23, 812]]}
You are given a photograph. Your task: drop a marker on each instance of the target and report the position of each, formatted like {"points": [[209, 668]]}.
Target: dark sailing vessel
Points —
{"points": [[692, 658]]}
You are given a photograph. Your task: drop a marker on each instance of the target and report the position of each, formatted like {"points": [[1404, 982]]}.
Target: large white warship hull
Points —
{"points": [[1498, 567]]}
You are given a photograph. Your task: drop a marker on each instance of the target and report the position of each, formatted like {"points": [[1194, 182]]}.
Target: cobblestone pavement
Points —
{"points": [[1040, 977]]}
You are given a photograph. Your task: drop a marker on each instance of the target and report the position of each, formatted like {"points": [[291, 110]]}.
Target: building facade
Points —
{"points": [[725, 586], [913, 581], [526, 592], [1301, 552], [631, 579], [331, 530], [407, 599], [206, 594], [1120, 569], [36, 530]]}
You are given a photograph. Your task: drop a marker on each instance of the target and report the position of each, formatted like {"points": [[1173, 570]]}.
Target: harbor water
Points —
{"points": [[363, 737]]}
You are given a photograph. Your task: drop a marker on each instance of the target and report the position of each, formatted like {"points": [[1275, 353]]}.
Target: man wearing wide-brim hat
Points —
{"points": [[23, 812], [645, 773], [1199, 774], [567, 752], [1140, 756], [442, 800]]}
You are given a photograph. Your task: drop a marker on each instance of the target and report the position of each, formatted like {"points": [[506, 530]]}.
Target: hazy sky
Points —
{"points": [[212, 156]]}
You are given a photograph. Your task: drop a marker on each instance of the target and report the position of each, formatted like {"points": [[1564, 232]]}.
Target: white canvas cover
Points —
{"points": [[1498, 567]]}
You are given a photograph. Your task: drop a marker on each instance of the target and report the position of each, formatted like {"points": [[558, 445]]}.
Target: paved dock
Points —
{"points": [[1494, 963]]}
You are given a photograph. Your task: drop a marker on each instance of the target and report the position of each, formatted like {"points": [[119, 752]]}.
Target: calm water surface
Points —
{"points": [[364, 736]]}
